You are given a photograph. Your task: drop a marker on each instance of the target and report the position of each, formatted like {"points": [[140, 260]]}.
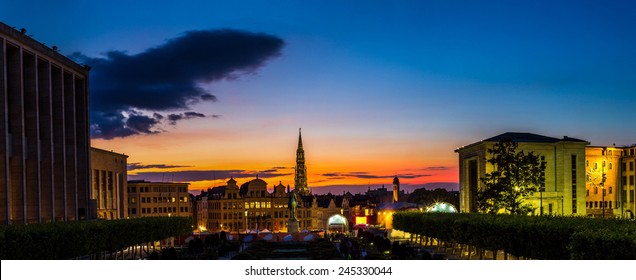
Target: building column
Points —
{"points": [[15, 118], [32, 138], [46, 141], [59, 160], [5, 179]]}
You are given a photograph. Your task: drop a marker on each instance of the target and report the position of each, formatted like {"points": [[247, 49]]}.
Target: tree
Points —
{"points": [[427, 197], [516, 176]]}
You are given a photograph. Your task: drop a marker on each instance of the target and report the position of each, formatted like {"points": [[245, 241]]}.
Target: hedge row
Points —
{"points": [[545, 237], [74, 239]]}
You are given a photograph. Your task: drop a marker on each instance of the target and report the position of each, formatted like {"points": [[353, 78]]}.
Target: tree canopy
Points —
{"points": [[516, 175], [428, 197]]}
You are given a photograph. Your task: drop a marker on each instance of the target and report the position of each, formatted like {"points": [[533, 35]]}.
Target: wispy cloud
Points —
{"points": [[139, 165], [205, 175], [367, 175]]}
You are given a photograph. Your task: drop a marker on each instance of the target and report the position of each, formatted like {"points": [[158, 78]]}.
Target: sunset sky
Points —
{"points": [[199, 91]]}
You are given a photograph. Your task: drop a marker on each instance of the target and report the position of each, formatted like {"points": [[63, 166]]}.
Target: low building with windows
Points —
{"points": [[152, 199], [109, 184], [565, 185]]}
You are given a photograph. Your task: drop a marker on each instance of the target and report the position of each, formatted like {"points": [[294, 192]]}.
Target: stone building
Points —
{"points": [[44, 126], [152, 199], [610, 181], [109, 184], [564, 174]]}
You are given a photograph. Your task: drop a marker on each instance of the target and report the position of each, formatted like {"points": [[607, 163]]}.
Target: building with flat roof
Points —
{"points": [[564, 190], [44, 126], [109, 184], [153, 199]]}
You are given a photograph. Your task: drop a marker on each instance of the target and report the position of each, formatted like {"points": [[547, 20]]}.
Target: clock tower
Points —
{"points": [[300, 179]]}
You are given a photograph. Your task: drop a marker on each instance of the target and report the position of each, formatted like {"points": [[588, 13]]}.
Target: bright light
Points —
{"points": [[361, 220], [441, 207]]}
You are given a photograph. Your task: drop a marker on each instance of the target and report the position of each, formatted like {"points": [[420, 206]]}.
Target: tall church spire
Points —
{"points": [[300, 179]]}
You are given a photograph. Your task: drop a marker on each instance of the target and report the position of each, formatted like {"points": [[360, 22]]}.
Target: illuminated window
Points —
{"points": [[610, 166], [610, 190]]}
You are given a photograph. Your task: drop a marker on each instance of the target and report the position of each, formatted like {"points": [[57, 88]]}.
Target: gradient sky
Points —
{"points": [[379, 88]]}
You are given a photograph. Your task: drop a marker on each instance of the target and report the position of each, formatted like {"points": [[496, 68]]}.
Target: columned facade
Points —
{"points": [[109, 184], [44, 146]]}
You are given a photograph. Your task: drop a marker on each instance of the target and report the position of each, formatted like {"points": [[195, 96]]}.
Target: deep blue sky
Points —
{"points": [[423, 77]]}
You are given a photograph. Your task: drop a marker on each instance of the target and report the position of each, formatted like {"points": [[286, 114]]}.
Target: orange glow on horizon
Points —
{"points": [[329, 161]]}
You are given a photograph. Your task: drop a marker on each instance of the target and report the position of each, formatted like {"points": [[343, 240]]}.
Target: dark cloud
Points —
{"points": [[168, 77], [173, 118], [436, 168], [201, 175], [138, 165], [366, 175]]}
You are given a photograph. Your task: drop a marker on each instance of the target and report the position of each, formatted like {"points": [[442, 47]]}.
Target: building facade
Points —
{"points": [[610, 181], [153, 199], [627, 184], [565, 185], [252, 207], [109, 184], [44, 125]]}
